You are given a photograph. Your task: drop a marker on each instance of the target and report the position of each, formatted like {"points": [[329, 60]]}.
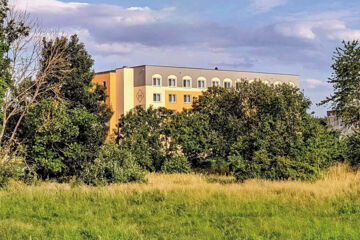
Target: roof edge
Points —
{"points": [[209, 69]]}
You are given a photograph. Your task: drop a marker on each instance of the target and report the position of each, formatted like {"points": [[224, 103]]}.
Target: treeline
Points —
{"points": [[54, 122]]}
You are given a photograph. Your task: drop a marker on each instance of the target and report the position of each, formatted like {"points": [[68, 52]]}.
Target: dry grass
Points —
{"points": [[338, 180]]}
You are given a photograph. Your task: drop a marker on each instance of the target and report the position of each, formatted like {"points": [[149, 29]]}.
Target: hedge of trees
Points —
{"points": [[54, 121], [256, 131]]}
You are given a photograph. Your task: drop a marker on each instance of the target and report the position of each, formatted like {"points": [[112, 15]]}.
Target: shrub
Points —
{"points": [[11, 167], [176, 164], [112, 165], [352, 149]]}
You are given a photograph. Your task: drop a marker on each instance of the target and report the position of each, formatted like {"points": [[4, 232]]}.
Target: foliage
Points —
{"points": [[345, 80], [264, 131], [60, 140], [11, 167], [142, 132], [352, 149], [192, 134], [256, 131], [112, 165], [63, 132], [176, 164]]}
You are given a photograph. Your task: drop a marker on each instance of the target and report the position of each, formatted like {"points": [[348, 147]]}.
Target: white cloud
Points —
{"points": [[313, 83], [52, 6], [329, 26], [73, 13], [262, 6]]}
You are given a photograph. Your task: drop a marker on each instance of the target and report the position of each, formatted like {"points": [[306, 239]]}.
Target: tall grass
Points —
{"points": [[184, 206]]}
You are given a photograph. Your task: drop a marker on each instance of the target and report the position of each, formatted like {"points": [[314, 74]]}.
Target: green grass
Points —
{"points": [[187, 207]]}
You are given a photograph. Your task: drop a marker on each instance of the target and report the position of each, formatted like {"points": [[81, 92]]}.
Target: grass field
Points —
{"points": [[186, 207]]}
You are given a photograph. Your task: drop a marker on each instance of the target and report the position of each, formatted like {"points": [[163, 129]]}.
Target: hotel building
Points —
{"points": [[170, 87]]}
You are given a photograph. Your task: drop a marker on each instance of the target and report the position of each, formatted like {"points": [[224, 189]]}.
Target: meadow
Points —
{"points": [[182, 206]]}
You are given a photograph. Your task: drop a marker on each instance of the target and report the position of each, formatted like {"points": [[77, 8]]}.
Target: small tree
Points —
{"points": [[346, 83]]}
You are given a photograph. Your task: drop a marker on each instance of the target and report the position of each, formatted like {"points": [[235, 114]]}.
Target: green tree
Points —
{"points": [[142, 132], [65, 130], [346, 83], [265, 131]]}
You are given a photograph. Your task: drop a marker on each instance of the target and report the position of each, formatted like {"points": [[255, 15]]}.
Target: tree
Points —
{"points": [[27, 75], [65, 130], [10, 31], [142, 132], [346, 83], [265, 131]]}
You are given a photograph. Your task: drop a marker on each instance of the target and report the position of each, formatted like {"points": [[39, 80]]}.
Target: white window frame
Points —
{"points": [[170, 98], [155, 97], [187, 78], [156, 80], [227, 82], [187, 85], [204, 83], [186, 98], [172, 80], [217, 83]]}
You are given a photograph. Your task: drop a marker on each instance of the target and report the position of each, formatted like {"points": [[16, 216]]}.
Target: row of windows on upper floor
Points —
{"points": [[201, 83], [172, 98]]}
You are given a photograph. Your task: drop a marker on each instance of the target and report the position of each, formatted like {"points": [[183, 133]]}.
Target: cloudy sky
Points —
{"points": [[287, 36]]}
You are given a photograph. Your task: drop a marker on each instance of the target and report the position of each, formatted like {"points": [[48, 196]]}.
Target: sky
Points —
{"points": [[281, 36]]}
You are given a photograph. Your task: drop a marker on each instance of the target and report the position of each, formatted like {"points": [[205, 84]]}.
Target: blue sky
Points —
{"points": [[287, 36]]}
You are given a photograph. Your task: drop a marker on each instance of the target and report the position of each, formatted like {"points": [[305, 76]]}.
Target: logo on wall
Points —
{"points": [[140, 96]]}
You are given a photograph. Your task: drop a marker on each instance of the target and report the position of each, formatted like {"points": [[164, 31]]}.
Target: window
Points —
{"points": [[227, 84], [172, 98], [156, 82], [156, 97], [187, 99], [201, 84], [172, 82], [104, 84], [215, 83], [238, 84], [187, 83]]}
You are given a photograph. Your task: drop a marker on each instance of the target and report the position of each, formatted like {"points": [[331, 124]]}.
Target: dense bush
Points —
{"points": [[11, 167], [176, 164], [112, 165], [352, 150]]}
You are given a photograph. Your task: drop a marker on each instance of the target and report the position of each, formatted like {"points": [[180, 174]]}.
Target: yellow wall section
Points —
{"points": [[99, 79], [128, 89], [180, 105], [111, 100], [149, 100], [113, 104]]}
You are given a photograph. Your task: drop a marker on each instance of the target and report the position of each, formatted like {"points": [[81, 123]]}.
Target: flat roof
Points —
{"points": [[208, 69]]}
